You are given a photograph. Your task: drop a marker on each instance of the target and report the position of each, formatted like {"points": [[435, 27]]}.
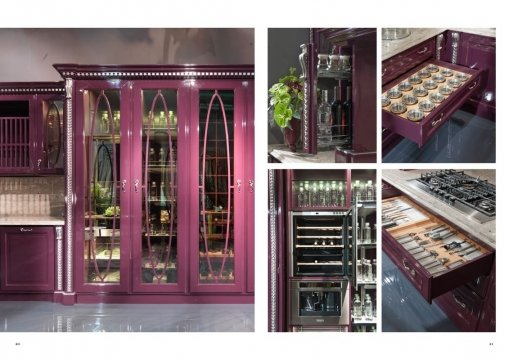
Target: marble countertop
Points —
{"points": [[20, 220], [485, 232], [418, 35], [281, 153]]}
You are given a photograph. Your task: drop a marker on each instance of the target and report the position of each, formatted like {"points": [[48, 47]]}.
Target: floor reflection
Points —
{"points": [[28, 316]]}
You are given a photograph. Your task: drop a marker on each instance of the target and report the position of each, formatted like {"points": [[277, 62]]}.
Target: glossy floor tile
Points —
{"points": [[465, 138], [403, 307], [28, 316]]}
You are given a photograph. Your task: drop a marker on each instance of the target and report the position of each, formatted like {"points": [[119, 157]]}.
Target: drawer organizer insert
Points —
{"points": [[438, 82], [433, 244]]}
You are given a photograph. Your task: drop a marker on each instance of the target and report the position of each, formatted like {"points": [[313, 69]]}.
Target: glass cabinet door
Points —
{"points": [[217, 187], [52, 134], [156, 265], [101, 174]]}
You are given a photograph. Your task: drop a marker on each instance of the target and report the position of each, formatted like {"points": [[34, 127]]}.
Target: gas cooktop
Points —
{"points": [[472, 196]]}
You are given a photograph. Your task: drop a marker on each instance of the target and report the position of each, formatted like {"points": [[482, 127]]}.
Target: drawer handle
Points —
{"points": [[434, 122], [39, 161], [423, 50], [472, 86], [25, 229], [459, 301], [383, 72], [407, 267]]}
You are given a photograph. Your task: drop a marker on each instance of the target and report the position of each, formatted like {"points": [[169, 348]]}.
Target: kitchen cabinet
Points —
{"points": [[358, 46], [27, 259], [470, 54], [325, 220], [165, 186], [31, 128]]}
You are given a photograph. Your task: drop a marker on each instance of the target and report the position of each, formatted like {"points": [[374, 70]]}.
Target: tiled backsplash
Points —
{"points": [[32, 196]]}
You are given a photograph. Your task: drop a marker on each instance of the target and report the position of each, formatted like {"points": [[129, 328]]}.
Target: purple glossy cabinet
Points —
{"points": [[360, 45], [31, 128], [165, 190], [27, 259]]}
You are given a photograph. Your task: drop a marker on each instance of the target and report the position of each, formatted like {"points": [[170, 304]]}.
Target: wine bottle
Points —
{"points": [[346, 123], [324, 121], [337, 111]]}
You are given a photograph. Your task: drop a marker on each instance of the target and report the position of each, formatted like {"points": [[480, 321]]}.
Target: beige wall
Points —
{"points": [[28, 54]]}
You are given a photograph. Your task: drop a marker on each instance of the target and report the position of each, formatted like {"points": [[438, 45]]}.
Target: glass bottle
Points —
{"points": [[369, 190], [341, 195], [105, 123], [300, 197], [373, 274], [334, 195], [336, 111], [151, 156], [321, 194], [357, 306], [368, 270], [161, 156], [314, 196], [162, 119], [324, 121], [367, 234], [360, 270], [328, 200], [153, 191], [368, 307], [346, 122], [306, 200], [161, 195]]}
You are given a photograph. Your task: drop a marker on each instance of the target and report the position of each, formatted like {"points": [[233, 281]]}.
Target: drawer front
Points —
{"points": [[487, 322], [405, 61], [463, 307], [479, 285], [415, 260], [420, 132]]}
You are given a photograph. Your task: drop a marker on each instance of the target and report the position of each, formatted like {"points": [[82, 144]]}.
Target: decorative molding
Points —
{"points": [[69, 187], [30, 90], [455, 43], [59, 231], [273, 252], [305, 117], [158, 74]]}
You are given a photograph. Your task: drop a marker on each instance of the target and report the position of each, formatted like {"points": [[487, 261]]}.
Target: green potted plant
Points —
{"points": [[285, 106]]}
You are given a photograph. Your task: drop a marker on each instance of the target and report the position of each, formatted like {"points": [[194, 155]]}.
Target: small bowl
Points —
{"points": [[415, 115], [414, 80], [461, 76], [405, 86], [437, 98], [398, 108], [424, 74], [385, 101], [445, 90], [447, 72], [420, 91], [432, 68], [438, 78], [409, 99], [393, 93], [426, 106], [430, 84], [455, 83]]}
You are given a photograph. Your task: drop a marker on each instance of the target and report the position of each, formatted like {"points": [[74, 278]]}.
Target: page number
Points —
{"points": [[17, 344], [491, 344]]}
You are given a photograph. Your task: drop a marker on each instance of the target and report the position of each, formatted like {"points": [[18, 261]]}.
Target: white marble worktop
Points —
{"points": [[418, 35], [485, 232], [281, 153], [20, 220]]}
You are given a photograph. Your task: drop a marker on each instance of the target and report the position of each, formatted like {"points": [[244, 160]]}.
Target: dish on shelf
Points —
{"points": [[461, 76], [393, 93], [447, 72], [430, 85], [432, 68], [437, 98], [423, 74], [415, 115], [455, 83], [445, 90], [438, 78], [414, 80], [409, 99], [420, 91], [398, 108], [426, 106], [385, 101], [405, 86]]}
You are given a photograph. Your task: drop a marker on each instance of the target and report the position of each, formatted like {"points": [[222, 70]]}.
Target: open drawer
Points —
{"points": [[434, 255], [454, 85]]}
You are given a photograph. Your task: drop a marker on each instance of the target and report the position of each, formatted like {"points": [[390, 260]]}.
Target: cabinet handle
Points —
{"points": [[124, 183], [25, 229], [239, 184], [459, 301], [423, 50], [136, 185], [39, 161], [434, 122], [251, 185], [472, 86], [406, 266]]}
